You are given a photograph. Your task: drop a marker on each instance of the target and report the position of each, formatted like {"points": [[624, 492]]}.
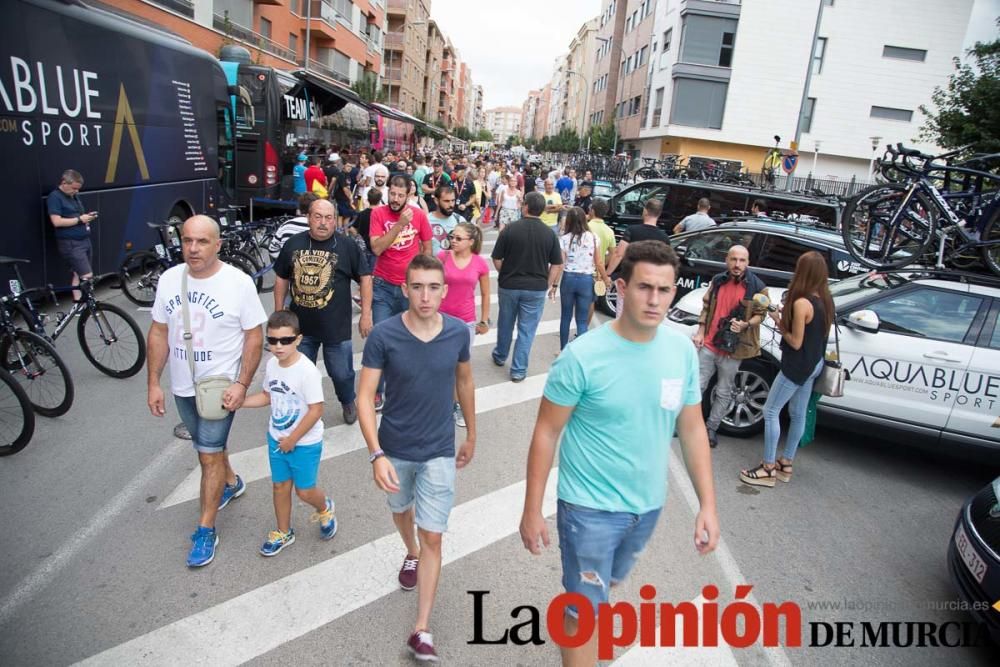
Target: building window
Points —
{"points": [[239, 12], [628, 24], [293, 43], [265, 28], [807, 114], [902, 53], [657, 108], [818, 55], [667, 36], [888, 113], [828, 3], [726, 52], [698, 103], [634, 105], [702, 39], [642, 55]]}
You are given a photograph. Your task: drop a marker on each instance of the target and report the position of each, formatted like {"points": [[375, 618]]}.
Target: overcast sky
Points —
{"points": [[513, 50]]}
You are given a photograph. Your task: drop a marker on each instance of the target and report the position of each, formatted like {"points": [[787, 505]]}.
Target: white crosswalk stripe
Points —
{"points": [[252, 464], [252, 624]]}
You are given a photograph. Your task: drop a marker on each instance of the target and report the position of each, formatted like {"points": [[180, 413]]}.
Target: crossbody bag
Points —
{"points": [[208, 391]]}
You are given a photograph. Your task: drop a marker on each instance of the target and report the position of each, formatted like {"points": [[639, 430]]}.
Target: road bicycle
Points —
{"points": [[32, 360], [666, 166], [17, 418], [927, 199], [772, 163], [110, 339]]}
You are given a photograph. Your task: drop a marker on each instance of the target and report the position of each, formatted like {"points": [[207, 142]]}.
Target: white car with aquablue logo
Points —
{"points": [[923, 351]]}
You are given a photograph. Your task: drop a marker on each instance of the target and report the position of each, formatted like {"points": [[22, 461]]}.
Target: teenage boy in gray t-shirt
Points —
{"points": [[424, 356]]}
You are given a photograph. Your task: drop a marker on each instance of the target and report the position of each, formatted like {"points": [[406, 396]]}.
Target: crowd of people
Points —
{"points": [[409, 234]]}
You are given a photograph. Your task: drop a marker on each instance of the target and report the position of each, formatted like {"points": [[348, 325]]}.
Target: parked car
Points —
{"points": [[974, 556], [923, 350], [774, 248], [604, 189]]}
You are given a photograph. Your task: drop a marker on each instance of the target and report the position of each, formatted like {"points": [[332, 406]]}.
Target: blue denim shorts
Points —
{"points": [[429, 486], [301, 465], [208, 436], [599, 548]]}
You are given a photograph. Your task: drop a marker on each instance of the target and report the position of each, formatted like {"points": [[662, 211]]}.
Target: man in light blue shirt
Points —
{"points": [[619, 391], [299, 174]]}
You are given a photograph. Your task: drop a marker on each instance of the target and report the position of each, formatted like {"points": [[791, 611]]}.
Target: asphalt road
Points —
{"points": [[94, 557]]}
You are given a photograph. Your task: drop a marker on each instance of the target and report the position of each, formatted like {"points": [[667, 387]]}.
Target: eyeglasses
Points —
{"points": [[452, 237], [284, 340]]}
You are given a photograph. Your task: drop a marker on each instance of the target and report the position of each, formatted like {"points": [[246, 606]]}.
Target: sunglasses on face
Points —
{"points": [[284, 340], [452, 237]]}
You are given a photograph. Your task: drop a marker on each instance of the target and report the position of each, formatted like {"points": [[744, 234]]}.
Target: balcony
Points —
{"points": [[250, 38], [393, 41], [328, 71], [397, 7], [329, 16], [727, 9], [394, 74]]}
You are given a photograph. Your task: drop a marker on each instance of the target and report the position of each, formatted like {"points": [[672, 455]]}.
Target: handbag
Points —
{"points": [[834, 376], [600, 289], [208, 391]]}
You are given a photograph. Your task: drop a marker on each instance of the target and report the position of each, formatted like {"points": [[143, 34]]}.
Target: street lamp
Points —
{"points": [[816, 145], [586, 97], [876, 141]]}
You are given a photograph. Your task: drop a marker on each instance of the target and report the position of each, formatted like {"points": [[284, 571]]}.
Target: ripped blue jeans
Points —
{"points": [[599, 548]]}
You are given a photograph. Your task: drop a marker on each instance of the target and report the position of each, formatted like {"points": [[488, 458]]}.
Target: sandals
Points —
{"points": [[783, 471], [759, 476]]}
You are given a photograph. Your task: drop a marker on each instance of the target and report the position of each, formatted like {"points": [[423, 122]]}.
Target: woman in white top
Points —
{"points": [[413, 199], [508, 201], [581, 260]]}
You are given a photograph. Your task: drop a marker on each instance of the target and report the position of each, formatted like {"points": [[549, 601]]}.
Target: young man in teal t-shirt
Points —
{"points": [[619, 391]]}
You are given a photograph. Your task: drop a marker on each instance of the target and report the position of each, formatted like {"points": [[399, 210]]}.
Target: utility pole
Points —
{"points": [[805, 93]]}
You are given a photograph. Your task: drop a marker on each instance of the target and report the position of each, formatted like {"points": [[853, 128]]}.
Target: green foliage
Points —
{"points": [[484, 135], [602, 138], [367, 88], [511, 141], [462, 132], [567, 141], [967, 110]]}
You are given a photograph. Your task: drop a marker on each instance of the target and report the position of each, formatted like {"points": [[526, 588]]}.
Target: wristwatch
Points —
{"points": [[376, 455]]}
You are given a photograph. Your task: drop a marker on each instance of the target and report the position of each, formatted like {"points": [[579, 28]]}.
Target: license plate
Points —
{"points": [[969, 556], [160, 250], [15, 286]]}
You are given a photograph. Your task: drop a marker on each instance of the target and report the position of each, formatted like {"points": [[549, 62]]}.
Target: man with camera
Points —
{"points": [[728, 331]]}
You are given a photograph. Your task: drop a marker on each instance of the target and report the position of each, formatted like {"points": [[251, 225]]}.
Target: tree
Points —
{"points": [[511, 141], [462, 132], [367, 88], [602, 138], [968, 108], [484, 135]]}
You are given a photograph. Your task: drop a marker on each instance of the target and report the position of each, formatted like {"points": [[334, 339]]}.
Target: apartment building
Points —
{"points": [[340, 39], [579, 63], [478, 120], [634, 66], [720, 89], [462, 100], [528, 108], [446, 89], [558, 98], [608, 54], [405, 53], [432, 72], [539, 124], [503, 122]]}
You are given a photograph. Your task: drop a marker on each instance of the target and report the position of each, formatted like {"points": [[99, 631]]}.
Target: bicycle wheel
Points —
{"points": [[882, 233], [111, 340], [264, 265], [644, 174], [242, 262], [39, 369], [140, 273], [991, 235], [17, 418]]}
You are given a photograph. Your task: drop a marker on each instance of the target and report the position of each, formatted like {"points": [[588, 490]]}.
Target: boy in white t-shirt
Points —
{"points": [[293, 388]]}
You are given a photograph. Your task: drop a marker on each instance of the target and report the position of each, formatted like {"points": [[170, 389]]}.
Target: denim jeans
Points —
{"points": [[598, 549], [708, 364], [576, 292], [524, 306], [339, 361], [387, 300], [797, 397], [208, 436], [428, 487]]}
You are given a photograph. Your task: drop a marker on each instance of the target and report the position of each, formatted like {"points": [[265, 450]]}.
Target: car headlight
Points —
{"points": [[682, 316]]}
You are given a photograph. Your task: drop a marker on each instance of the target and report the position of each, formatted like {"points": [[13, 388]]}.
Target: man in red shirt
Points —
{"points": [[398, 233], [728, 293], [314, 173]]}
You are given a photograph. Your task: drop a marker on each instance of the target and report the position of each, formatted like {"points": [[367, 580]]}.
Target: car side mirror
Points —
{"points": [[865, 320]]}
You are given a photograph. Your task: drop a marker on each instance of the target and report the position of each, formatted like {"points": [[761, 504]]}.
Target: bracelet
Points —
{"points": [[376, 455], [245, 386]]}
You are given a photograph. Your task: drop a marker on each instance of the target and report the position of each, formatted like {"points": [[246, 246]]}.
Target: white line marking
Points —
{"points": [[252, 464], [265, 618], [654, 656], [494, 298], [43, 575]]}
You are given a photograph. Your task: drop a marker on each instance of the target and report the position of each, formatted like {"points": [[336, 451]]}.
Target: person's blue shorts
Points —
{"points": [[345, 209], [599, 548], [301, 465], [208, 436], [429, 486]]}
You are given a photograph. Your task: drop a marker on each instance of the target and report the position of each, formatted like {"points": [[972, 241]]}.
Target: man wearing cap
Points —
{"points": [[432, 180], [299, 175], [584, 197], [465, 190]]}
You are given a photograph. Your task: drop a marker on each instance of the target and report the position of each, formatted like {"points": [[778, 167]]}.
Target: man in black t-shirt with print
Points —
{"points": [[319, 266], [647, 231], [529, 261]]}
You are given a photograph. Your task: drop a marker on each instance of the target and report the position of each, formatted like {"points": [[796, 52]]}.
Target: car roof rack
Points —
{"points": [[967, 277], [764, 192]]}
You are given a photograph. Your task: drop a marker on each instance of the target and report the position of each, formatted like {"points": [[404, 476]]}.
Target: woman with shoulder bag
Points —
{"points": [[805, 327]]}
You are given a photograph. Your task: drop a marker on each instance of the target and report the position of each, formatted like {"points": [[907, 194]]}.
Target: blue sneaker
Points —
{"points": [[203, 546], [276, 541], [327, 521], [232, 491]]}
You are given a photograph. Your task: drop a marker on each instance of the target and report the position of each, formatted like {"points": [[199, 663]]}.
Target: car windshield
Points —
{"points": [[852, 290]]}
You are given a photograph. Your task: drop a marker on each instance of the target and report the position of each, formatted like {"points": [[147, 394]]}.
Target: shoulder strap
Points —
{"points": [[186, 312]]}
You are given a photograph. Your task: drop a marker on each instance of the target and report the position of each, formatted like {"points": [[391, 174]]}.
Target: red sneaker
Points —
{"points": [[408, 573], [421, 645]]}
